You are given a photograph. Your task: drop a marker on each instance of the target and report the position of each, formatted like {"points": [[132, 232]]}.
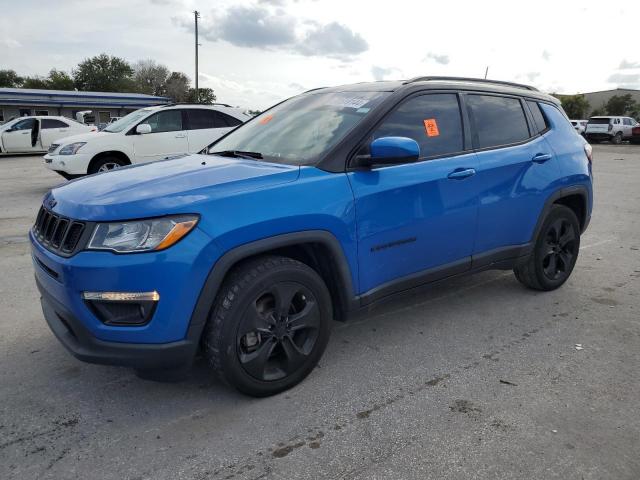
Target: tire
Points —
{"points": [[554, 253], [249, 344], [617, 138], [105, 163]]}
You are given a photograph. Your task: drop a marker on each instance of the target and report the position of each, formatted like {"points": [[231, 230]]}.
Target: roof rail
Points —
{"points": [[471, 80], [173, 104]]}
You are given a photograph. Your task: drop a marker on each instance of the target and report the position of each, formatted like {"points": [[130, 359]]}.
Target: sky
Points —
{"points": [[255, 53]]}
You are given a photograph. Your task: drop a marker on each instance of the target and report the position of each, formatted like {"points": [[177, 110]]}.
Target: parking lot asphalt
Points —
{"points": [[476, 378]]}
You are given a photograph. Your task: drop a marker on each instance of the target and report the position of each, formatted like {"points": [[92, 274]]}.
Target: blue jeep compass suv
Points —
{"points": [[319, 207]]}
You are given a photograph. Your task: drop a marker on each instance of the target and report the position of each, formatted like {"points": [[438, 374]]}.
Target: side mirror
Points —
{"points": [[143, 128], [390, 151]]}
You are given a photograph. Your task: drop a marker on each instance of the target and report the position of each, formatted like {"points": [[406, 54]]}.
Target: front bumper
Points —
{"points": [[72, 164], [598, 136], [169, 339], [83, 345]]}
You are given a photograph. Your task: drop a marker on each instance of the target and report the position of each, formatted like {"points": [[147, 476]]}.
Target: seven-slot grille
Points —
{"points": [[56, 233]]}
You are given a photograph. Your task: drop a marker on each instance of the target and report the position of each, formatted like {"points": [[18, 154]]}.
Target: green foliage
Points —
{"points": [[177, 87], [576, 106], [623, 105], [104, 73], [205, 96], [10, 79], [59, 80], [35, 82], [150, 77]]}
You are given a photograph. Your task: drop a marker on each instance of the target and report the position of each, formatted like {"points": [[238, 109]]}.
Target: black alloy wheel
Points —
{"points": [[278, 331]]}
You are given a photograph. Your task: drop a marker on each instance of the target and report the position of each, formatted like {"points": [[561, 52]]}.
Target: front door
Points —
{"points": [[167, 137], [417, 221], [18, 138]]}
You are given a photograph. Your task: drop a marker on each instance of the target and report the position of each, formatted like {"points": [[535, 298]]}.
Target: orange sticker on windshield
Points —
{"points": [[431, 127], [266, 119]]}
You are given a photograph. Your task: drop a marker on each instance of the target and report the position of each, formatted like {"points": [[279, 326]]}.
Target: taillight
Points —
{"points": [[588, 151]]}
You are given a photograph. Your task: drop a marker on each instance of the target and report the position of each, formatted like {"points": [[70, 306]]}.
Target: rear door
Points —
{"points": [[416, 222], [206, 126], [167, 137], [517, 171], [598, 125], [51, 129], [18, 138]]}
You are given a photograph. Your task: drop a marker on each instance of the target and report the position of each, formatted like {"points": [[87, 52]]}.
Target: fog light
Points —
{"points": [[122, 308]]}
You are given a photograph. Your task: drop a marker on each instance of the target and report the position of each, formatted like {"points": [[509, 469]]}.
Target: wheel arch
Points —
{"points": [[575, 197], [318, 249], [108, 153]]}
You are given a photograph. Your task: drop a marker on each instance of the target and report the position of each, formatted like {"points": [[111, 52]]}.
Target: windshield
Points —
{"points": [[126, 121], [302, 129]]}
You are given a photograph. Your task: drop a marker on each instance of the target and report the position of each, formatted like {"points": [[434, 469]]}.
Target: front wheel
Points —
{"points": [[270, 325], [105, 164], [555, 252]]}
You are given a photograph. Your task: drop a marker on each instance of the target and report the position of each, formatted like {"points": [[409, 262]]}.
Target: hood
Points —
{"points": [[176, 185], [82, 137]]}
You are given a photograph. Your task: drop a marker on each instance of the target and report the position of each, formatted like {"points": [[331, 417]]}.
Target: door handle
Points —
{"points": [[460, 173], [182, 135], [541, 158], [26, 132]]}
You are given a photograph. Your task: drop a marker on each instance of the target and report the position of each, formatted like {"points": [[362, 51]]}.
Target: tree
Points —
{"points": [[576, 106], [10, 79], [150, 77], [104, 73], [622, 105], [177, 86], [35, 82], [59, 80], [205, 96]]}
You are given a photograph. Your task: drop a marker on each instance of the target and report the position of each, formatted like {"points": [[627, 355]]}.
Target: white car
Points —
{"points": [[36, 134], [146, 135], [579, 125]]}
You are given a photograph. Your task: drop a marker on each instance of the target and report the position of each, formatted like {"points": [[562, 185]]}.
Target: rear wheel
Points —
{"points": [[106, 163], [555, 251], [617, 138], [270, 325]]}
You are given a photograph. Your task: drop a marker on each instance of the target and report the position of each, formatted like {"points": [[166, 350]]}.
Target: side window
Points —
{"points": [[498, 120], [201, 118], [26, 124], [166, 121], [432, 120], [627, 121], [538, 117], [52, 123], [229, 120]]}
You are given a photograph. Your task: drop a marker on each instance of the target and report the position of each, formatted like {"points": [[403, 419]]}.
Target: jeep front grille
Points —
{"points": [[56, 233]]}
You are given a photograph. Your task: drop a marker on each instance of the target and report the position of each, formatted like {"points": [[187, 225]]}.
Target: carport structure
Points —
{"points": [[15, 102]]}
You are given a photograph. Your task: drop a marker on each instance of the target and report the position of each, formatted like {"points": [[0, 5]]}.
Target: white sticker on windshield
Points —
{"points": [[363, 110], [352, 102]]}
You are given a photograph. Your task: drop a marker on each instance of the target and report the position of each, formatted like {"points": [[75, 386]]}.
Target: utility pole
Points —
{"points": [[486, 72], [196, 15]]}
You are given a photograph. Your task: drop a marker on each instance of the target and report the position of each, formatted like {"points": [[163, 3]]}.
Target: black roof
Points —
{"points": [[439, 83]]}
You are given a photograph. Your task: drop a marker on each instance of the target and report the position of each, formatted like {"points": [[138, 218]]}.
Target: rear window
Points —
{"points": [[498, 120], [599, 121], [538, 117]]}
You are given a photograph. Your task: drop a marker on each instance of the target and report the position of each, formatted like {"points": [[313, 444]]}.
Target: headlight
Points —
{"points": [[141, 235], [71, 149]]}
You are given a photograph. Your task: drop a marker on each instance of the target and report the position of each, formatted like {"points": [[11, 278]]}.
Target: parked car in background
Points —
{"points": [[579, 125], [145, 135], [635, 135], [612, 128], [36, 134], [311, 212]]}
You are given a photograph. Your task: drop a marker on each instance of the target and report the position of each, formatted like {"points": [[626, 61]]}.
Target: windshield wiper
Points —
{"points": [[239, 154]]}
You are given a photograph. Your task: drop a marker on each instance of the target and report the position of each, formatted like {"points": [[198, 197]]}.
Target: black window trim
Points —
{"points": [[466, 134], [525, 108]]}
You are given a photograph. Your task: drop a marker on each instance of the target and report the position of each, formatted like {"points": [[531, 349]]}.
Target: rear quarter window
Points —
{"points": [[538, 117], [497, 120]]}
